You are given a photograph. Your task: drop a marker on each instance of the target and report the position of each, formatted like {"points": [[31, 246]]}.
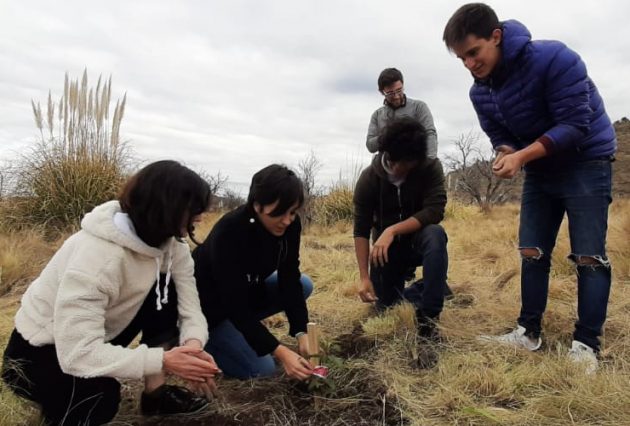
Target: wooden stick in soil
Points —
{"points": [[312, 330]]}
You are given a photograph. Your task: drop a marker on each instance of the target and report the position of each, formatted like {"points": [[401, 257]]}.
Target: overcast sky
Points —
{"points": [[236, 85]]}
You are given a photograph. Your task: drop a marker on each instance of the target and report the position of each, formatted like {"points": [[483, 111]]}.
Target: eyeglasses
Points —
{"points": [[393, 93]]}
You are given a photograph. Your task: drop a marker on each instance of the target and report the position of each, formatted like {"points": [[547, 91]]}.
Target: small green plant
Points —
{"points": [[325, 386]]}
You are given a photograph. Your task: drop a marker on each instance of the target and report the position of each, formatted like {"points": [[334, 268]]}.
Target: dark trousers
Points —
{"points": [[426, 248], [33, 372], [228, 346]]}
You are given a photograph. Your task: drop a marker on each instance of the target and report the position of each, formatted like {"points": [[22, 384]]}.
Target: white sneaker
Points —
{"points": [[583, 354], [515, 338]]}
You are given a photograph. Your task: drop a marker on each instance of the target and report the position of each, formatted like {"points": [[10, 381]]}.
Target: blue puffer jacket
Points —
{"points": [[541, 89]]}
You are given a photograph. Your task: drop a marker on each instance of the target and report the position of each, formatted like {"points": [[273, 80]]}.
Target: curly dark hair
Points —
{"points": [[404, 139]]}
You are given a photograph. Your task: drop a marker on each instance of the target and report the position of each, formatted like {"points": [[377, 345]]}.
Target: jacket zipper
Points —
{"points": [[400, 212]]}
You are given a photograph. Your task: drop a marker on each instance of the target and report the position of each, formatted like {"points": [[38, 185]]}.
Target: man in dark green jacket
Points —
{"points": [[401, 197]]}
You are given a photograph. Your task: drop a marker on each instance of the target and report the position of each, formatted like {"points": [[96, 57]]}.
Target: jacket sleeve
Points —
{"points": [[567, 94], [365, 196], [192, 323], [497, 133], [373, 133], [79, 332], [434, 202], [426, 119], [227, 258], [289, 282]]}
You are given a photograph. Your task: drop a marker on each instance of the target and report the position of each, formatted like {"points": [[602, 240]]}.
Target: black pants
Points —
{"points": [[33, 372], [426, 247]]}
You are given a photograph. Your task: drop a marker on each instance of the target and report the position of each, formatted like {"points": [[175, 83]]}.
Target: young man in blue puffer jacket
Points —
{"points": [[543, 113]]}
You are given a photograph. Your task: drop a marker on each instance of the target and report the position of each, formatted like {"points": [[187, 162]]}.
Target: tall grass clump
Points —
{"points": [[78, 162], [336, 206]]}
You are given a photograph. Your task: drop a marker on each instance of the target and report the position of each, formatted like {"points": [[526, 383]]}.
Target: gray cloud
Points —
{"points": [[233, 86]]}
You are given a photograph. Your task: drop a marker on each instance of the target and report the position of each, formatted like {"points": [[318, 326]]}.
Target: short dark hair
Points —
{"points": [[276, 183], [404, 139], [477, 19], [388, 77], [163, 197]]}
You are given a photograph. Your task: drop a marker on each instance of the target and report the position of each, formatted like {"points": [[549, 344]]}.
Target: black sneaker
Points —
{"points": [[419, 283], [169, 399]]}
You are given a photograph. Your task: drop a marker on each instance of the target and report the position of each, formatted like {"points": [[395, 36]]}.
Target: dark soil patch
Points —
{"points": [[353, 344], [359, 398]]}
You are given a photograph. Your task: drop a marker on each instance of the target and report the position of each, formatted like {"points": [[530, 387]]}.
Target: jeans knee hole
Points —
{"points": [[531, 253]]}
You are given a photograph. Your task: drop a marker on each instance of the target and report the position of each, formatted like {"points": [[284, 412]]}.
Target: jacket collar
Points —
{"points": [[515, 38], [404, 102]]}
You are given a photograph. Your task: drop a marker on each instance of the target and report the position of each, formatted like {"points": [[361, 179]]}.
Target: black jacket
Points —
{"points": [[230, 267], [378, 203]]}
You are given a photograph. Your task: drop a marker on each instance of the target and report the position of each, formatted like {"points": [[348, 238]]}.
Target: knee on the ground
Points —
{"points": [[264, 367], [436, 235], [307, 285]]}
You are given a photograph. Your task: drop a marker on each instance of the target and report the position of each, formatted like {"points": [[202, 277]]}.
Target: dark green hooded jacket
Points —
{"points": [[378, 203]]}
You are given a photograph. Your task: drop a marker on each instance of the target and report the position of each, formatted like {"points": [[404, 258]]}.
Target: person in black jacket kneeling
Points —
{"points": [[400, 199], [249, 269]]}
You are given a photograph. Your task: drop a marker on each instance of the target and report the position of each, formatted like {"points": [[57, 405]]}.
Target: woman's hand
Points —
{"points": [[209, 387], [294, 364], [190, 363]]}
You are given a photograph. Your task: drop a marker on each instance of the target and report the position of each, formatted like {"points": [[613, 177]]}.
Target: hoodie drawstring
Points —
{"points": [[157, 286], [162, 298], [169, 265]]}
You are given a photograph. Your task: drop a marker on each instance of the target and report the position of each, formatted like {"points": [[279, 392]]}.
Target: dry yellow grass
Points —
{"points": [[22, 256], [474, 383]]}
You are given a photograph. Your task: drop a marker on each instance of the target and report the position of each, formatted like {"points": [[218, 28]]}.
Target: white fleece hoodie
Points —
{"points": [[91, 290]]}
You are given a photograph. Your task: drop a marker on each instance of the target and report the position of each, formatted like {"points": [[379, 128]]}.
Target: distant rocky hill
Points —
{"points": [[621, 167]]}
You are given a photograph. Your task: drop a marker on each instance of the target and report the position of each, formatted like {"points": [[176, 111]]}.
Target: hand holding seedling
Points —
{"points": [[295, 365]]}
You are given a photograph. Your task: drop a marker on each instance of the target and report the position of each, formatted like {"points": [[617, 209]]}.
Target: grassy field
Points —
{"points": [[373, 379]]}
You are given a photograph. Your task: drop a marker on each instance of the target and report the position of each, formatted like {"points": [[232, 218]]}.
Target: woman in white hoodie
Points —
{"points": [[126, 271]]}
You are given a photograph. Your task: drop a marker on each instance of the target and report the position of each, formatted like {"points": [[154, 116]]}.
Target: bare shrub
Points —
{"points": [[471, 176], [217, 181], [232, 199], [307, 170], [78, 162]]}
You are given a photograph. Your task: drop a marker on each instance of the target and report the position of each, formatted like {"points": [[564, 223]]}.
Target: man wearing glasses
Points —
{"points": [[396, 105]]}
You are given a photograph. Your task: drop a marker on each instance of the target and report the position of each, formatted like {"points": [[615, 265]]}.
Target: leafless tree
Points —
{"points": [[232, 199], [216, 182], [471, 173], [308, 168]]}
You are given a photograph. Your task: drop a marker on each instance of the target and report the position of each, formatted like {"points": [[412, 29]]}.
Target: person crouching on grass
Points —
{"points": [[401, 198], [126, 271], [249, 269]]}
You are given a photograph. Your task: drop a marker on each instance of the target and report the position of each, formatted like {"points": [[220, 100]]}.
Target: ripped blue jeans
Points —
{"points": [[583, 192]]}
